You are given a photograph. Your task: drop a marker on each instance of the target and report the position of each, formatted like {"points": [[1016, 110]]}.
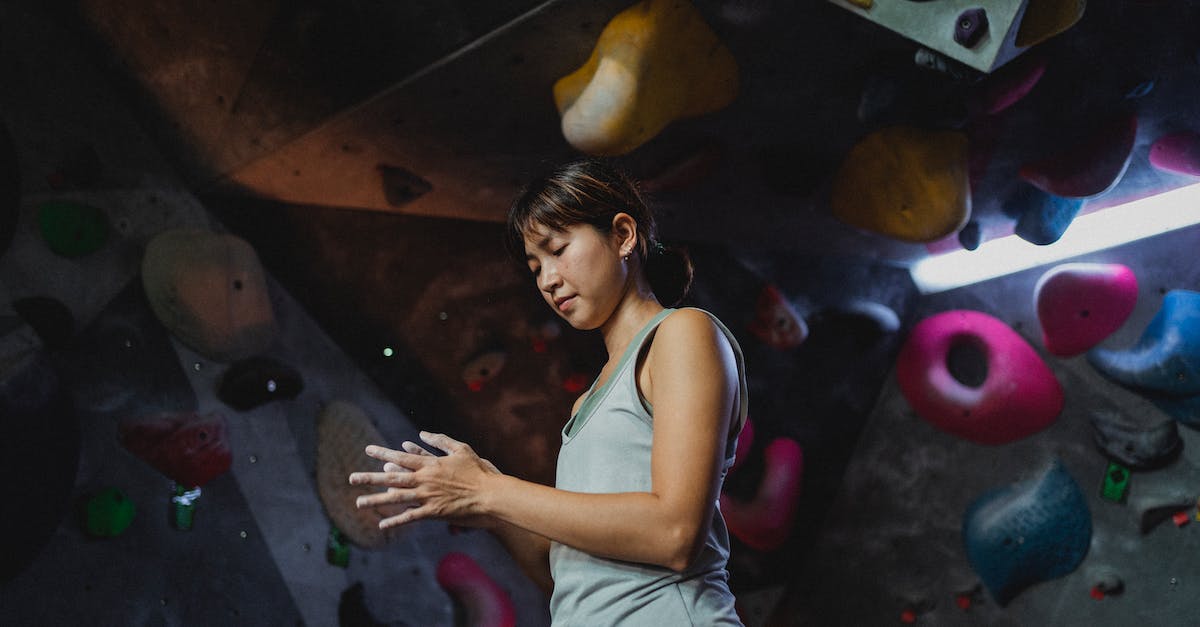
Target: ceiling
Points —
{"points": [[443, 108]]}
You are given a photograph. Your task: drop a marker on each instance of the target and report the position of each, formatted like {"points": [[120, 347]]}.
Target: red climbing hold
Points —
{"points": [[1089, 168], [1177, 152], [189, 449]]}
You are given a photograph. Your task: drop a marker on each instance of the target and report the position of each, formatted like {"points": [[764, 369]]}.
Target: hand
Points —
{"points": [[448, 487]]}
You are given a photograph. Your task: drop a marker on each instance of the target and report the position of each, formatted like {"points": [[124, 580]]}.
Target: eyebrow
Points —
{"points": [[541, 244]]}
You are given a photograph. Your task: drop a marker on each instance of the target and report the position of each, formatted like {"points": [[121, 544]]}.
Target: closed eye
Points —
{"points": [[560, 250]]}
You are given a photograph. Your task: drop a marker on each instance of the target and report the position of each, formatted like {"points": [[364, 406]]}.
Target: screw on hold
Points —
{"points": [[197, 366], [242, 534], [253, 459], [443, 315]]}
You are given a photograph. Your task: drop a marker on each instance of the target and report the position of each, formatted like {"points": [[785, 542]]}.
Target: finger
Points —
{"points": [[411, 515], [444, 442], [400, 458], [414, 448], [392, 496], [390, 467], [390, 479]]}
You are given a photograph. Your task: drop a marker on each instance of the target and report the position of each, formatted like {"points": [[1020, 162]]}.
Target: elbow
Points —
{"points": [[683, 547]]}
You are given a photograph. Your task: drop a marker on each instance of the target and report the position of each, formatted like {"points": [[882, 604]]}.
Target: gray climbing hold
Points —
{"points": [[1158, 505], [1134, 443]]}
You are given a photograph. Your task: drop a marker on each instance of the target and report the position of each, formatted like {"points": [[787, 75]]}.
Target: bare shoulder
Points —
{"points": [[690, 334]]}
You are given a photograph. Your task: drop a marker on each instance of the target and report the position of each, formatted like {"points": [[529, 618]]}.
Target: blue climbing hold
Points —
{"points": [[1027, 533], [1042, 218], [1166, 360]]}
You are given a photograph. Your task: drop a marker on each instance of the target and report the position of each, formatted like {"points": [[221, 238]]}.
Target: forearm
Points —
{"points": [[631, 526], [530, 550]]}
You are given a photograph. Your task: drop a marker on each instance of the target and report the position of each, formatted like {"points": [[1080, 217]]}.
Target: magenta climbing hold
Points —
{"points": [[1010, 84], [188, 448], [970, 375], [1091, 167], [766, 522], [486, 604], [1080, 304], [1177, 152]]}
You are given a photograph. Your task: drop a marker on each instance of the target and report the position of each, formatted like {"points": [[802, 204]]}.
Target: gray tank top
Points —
{"points": [[606, 448]]}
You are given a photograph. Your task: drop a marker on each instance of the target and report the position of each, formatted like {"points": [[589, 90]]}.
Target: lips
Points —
{"points": [[564, 303]]}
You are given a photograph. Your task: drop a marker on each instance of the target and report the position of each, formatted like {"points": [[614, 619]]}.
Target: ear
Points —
{"points": [[625, 233]]}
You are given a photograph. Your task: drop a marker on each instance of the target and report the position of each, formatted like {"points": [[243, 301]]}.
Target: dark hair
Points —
{"points": [[591, 191]]}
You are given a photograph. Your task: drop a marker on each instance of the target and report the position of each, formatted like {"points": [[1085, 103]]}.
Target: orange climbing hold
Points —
{"points": [[906, 183]]}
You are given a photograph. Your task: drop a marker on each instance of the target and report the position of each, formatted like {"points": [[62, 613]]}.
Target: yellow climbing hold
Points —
{"points": [[862, 4], [655, 62], [906, 183], [1046, 18]]}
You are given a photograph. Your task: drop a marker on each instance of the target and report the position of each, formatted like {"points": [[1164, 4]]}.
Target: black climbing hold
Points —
{"points": [[970, 236], [1136, 445], [50, 318], [251, 382]]}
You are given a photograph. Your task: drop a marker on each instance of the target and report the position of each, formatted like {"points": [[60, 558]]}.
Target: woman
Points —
{"points": [[630, 533]]}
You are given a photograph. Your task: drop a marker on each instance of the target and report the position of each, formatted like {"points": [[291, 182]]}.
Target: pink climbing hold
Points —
{"points": [[1016, 394], [485, 602], [1091, 167], [1080, 304], [1177, 152], [1012, 83], [766, 522]]}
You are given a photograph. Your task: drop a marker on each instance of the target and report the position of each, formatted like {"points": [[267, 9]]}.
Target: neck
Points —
{"points": [[638, 305]]}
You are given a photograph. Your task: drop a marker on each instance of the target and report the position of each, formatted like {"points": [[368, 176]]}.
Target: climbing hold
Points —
{"points": [[1010, 84], [337, 552], [906, 183], [970, 375], [50, 318], [352, 608], [343, 433], [1029, 532], [1153, 507], [862, 4], [766, 522], [970, 235], [72, 229], [654, 63], [483, 367], [1115, 483], [776, 322], [251, 382], [484, 602], [1140, 90], [1080, 304], [971, 26], [1177, 152], [183, 507], [1044, 19], [107, 513], [188, 448], [1166, 360], [1134, 443], [1106, 583], [1091, 167], [1041, 218], [210, 291]]}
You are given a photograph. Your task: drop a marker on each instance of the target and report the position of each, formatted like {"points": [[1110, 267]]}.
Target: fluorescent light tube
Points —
{"points": [[1089, 232]]}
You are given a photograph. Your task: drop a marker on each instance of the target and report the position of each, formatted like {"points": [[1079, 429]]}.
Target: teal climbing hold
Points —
{"points": [[72, 229], [107, 513]]}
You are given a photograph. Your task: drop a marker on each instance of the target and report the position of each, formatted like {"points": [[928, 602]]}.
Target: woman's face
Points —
{"points": [[578, 270]]}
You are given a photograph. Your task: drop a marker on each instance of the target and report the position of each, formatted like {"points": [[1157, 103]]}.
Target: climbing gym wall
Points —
{"points": [[1031, 458]]}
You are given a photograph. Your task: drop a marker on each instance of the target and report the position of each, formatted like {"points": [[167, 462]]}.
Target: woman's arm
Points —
{"points": [[694, 388]]}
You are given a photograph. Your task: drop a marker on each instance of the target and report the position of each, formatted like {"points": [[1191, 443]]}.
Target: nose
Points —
{"points": [[548, 279]]}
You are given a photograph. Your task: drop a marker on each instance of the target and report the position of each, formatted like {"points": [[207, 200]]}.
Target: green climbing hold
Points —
{"points": [[107, 514], [337, 551], [1116, 483], [72, 229]]}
